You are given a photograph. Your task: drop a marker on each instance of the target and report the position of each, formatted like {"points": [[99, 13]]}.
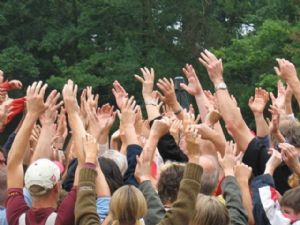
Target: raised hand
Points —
{"points": [[258, 102], [120, 94], [242, 172], [35, 99], [50, 115], [213, 66], [92, 100], [274, 161], [274, 124], [168, 89], [90, 147], [193, 141], [143, 167], [15, 84], [194, 87], [175, 129], [160, 127], [69, 95], [228, 161], [147, 82], [290, 156], [128, 112], [286, 70]]}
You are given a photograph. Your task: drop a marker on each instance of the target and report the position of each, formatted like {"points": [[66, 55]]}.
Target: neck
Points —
{"points": [[49, 201]]}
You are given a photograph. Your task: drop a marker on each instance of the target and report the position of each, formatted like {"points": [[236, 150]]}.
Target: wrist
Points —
{"points": [[228, 172], [258, 114], [144, 178], [194, 159], [91, 159], [218, 81]]}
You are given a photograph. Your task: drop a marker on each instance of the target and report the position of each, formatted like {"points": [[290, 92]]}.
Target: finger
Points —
{"points": [[43, 90], [38, 87], [137, 77], [203, 62]]}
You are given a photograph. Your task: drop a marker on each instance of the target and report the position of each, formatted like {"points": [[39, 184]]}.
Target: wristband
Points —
{"points": [[221, 86]]}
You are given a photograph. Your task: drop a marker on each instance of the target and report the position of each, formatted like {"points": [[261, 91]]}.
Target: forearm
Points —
{"points": [[234, 120], [151, 109], [295, 86], [16, 154], [246, 199], [278, 136], [288, 104], [43, 147], [131, 137], [102, 188], [202, 101], [262, 128], [150, 146]]}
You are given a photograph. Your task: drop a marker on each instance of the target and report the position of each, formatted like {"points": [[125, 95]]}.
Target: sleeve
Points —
{"points": [[7, 145], [85, 208], [5, 86], [132, 152], [156, 210], [169, 150], [15, 205], [65, 212], [102, 204], [231, 193], [266, 208], [256, 156], [265, 140], [17, 106], [27, 197], [184, 207]]}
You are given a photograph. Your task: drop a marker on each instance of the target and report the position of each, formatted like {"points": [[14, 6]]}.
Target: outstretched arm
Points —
{"points": [[35, 106], [230, 113]]}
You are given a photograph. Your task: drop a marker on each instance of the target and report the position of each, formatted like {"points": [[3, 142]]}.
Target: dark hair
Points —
{"points": [[112, 173], [291, 199], [168, 183]]}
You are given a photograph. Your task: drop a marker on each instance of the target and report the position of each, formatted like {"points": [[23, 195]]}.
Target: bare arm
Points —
{"points": [[35, 106], [287, 71], [230, 113], [257, 106], [242, 173]]}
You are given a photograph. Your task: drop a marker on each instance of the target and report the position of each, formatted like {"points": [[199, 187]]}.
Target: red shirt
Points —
{"points": [[16, 206]]}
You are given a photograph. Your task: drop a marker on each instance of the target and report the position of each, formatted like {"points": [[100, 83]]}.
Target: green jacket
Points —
{"points": [[181, 212]]}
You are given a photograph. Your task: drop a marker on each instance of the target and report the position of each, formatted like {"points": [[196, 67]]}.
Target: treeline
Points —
{"points": [[97, 41]]}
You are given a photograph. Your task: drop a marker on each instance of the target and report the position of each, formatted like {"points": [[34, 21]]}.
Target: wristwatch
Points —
{"points": [[221, 86]]}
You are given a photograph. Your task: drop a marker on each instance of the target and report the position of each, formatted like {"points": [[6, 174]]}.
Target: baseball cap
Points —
{"points": [[43, 173]]}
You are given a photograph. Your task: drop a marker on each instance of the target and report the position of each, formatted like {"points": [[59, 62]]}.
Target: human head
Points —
{"points": [[112, 173], [169, 182], [210, 175], [210, 211], [41, 177], [127, 205], [119, 158], [289, 203]]}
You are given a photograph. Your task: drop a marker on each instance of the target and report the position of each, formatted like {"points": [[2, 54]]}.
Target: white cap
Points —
{"points": [[43, 173]]}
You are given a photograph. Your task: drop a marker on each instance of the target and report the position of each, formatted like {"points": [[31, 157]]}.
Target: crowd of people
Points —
{"points": [[65, 165]]}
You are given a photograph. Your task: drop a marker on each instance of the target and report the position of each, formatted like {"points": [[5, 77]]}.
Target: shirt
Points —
{"points": [[16, 206]]}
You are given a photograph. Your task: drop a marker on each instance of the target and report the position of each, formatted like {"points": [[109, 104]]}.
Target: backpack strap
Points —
{"points": [[51, 219], [22, 218]]}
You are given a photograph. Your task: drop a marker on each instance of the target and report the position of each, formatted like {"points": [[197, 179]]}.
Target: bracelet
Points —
{"points": [[178, 111]]}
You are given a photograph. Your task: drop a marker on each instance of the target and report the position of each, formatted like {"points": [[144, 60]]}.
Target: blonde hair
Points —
{"points": [[128, 205], [210, 211]]}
